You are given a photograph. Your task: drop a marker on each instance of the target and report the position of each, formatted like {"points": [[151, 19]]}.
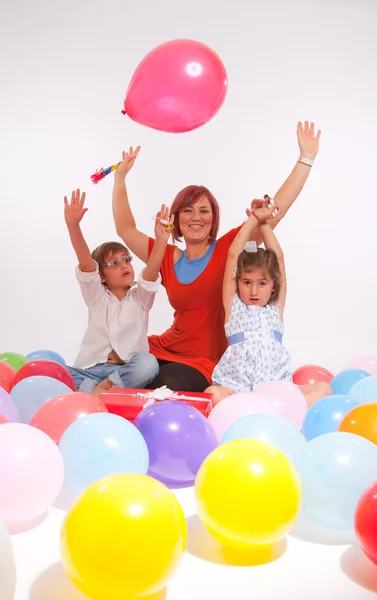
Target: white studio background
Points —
{"points": [[65, 67]]}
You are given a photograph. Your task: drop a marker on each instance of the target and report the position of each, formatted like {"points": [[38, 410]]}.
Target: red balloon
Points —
{"points": [[7, 376], [366, 522], [3, 420], [177, 87], [311, 374], [60, 412], [48, 368]]}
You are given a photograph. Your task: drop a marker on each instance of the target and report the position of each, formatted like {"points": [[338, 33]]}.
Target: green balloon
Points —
{"points": [[14, 359]]}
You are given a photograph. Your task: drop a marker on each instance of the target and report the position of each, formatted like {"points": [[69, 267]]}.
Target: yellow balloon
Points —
{"points": [[123, 537], [247, 493]]}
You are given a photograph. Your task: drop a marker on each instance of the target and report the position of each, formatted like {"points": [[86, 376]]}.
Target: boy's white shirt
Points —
{"points": [[114, 325]]}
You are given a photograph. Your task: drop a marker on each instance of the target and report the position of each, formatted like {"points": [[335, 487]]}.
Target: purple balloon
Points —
{"points": [[8, 408], [178, 437]]}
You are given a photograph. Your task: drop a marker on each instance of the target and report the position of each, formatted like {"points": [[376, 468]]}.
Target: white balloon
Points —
{"points": [[7, 566]]}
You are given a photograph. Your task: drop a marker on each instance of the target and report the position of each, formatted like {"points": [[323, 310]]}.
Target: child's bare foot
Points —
{"points": [[218, 393], [102, 387], [315, 391], [97, 391], [106, 384]]}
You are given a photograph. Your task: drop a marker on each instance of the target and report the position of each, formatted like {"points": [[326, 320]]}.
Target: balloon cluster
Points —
{"points": [[264, 454], [51, 435]]}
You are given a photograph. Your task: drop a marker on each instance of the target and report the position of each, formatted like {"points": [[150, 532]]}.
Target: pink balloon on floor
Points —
{"points": [[177, 87], [287, 398], [235, 407], [366, 363], [31, 473], [59, 413]]}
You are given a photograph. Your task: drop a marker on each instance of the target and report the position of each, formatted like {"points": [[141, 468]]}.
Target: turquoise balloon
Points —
{"points": [[345, 380], [325, 415], [335, 470], [31, 393], [365, 390], [268, 428], [46, 355], [99, 445]]}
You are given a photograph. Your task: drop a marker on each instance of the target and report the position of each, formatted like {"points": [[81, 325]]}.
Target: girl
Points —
{"points": [[254, 293]]}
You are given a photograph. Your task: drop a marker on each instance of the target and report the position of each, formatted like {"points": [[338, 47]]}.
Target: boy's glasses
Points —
{"points": [[112, 264]]}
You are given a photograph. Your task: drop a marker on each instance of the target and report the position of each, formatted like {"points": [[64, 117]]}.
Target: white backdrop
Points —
{"points": [[65, 68]]}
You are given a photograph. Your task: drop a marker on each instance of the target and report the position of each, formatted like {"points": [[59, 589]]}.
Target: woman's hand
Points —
{"points": [[307, 141], [127, 161], [161, 230]]}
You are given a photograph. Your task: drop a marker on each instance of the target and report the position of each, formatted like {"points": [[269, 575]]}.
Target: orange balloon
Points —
{"points": [[362, 420], [7, 376]]}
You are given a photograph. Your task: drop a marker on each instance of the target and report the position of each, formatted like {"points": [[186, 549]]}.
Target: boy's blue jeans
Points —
{"points": [[136, 373]]}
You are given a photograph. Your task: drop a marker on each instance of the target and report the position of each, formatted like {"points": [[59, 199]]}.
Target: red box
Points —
{"points": [[129, 402]]}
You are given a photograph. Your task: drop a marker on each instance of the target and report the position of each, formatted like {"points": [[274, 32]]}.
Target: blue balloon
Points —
{"points": [[98, 445], [365, 390], [268, 428], [325, 415], [345, 380], [46, 355], [31, 393], [335, 470]]}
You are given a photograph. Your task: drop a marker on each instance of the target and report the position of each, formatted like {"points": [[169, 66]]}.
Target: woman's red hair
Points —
{"points": [[189, 196]]}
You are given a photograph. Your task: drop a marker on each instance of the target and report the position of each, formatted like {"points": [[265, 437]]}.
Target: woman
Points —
{"points": [[190, 349]]}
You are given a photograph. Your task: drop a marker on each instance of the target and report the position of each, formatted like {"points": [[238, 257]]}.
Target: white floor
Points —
{"points": [[305, 570]]}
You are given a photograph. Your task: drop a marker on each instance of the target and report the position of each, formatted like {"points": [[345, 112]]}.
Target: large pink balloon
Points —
{"points": [[31, 473], [366, 363], [235, 407], [177, 87], [287, 398]]}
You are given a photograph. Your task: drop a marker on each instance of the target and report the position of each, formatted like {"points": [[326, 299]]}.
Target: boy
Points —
{"points": [[114, 350]]}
